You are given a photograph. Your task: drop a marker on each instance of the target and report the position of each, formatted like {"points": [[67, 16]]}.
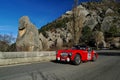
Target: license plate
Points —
{"points": [[62, 59]]}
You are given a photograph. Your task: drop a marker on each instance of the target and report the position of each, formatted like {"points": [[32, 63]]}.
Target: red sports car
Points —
{"points": [[76, 54]]}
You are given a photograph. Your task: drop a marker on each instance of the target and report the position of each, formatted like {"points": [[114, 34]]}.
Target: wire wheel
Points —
{"points": [[77, 59]]}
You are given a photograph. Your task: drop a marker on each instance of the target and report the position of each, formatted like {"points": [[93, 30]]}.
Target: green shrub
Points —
{"points": [[114, 31], [86, 33]]}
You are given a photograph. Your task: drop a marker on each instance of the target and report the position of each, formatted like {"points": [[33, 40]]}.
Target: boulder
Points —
{"points": [[51, 44], [109, 11], [51, 35], [115, 42], [117, 45], [83, 10], [28, 36], [68, 37], [109, 22], [44, 41], [116, 39], [91, 20], [69, 13], [59, 43], [106, 23]]}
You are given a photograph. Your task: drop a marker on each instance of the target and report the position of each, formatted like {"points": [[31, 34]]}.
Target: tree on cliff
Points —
{"points": [[76, 24]]}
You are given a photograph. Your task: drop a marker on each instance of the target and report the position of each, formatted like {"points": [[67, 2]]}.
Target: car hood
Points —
{"points": [[66, 50]]}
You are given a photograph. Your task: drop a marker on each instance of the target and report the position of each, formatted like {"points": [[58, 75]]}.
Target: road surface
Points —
{"points": [[105, 68]]}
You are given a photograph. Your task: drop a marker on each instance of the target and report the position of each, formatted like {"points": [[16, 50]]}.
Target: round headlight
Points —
{"points": [[58, 58]]}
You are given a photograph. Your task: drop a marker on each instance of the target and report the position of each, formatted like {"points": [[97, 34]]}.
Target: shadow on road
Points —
{"points": [[62, 62]]}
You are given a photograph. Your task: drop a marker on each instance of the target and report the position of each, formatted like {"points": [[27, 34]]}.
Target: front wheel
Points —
{"points": [[77, 59]]}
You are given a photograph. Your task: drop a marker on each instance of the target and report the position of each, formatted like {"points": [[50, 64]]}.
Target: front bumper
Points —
{"points": [[65, 59]]}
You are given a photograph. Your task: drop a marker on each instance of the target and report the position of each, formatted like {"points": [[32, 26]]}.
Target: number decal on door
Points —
{"points": [[89, 55]]}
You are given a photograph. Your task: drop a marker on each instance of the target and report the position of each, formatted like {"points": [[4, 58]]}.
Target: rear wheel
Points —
{"points": [[94, 58], [77, 59]]}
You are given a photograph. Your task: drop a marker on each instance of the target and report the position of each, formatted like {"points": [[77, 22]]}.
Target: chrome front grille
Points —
{"points": [[64, 54]]}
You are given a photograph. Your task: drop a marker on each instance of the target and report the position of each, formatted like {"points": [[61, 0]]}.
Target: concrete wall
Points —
{"points": [[8, 58]]}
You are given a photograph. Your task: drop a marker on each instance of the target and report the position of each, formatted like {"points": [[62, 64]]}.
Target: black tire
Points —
{"points": [[94, 58], [57, 61], [77, 59]]}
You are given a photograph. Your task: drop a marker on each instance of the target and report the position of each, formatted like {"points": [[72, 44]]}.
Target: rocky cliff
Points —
{"points": [[99, 23]]}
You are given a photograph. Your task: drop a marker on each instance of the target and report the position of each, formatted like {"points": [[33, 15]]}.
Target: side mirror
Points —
{"points": [[86, 49], [89, 49]]}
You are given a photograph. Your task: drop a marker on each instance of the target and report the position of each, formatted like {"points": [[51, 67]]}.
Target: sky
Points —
{"points": [[40, 12]]}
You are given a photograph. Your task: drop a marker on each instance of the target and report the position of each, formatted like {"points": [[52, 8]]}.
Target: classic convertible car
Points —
{"points": [[76, 54]]}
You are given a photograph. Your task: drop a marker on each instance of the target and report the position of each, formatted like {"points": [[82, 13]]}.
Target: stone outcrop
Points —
{"points": [[28, 37], [59, 42], [43, 41], [47, 43], [91, 21]]}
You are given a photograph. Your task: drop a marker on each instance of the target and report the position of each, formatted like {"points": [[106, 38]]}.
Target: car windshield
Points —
{"points": [[78, 47]]}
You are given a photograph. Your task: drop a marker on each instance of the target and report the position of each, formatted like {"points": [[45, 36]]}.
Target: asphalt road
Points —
{"points": [[105, 68]]}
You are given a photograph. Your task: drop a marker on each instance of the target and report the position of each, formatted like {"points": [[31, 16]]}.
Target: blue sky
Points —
{"points": [[40, 12]]}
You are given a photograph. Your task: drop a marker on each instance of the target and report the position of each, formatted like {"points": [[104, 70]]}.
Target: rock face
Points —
{"points": [[98, 19], [55, 39], [95, 18], [91, 21], [107, 23], [28, 37]]}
